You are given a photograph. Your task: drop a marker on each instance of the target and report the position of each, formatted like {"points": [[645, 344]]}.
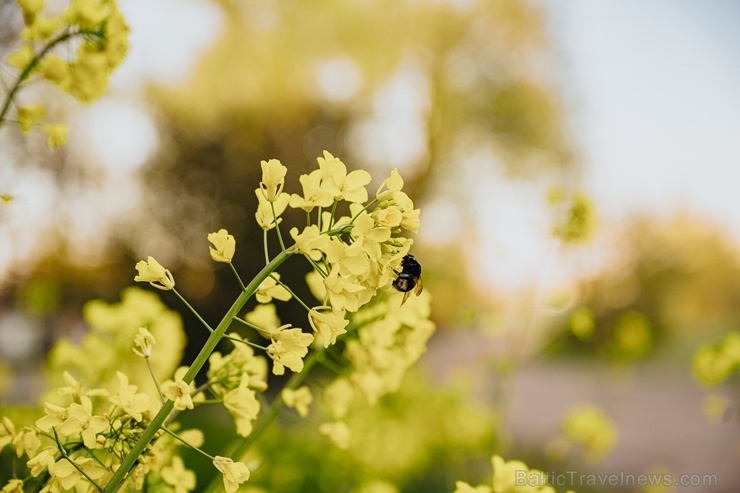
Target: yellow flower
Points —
{"points": [[310, 241], [42, 460], [224, 246], [328, 325], [90, 73], [69, 475], [288, 348], [179, 477], [56, 70], [299, 399], [13, 486], [7, 432], [132, 403], [82, 423], [179, 391], [152, 272], [55, 415], [243, 406], [27, 442], [269, 289], [463, 487], [265, 317], [316, 285], [28, 116], [589, 426], [57, 134], [22, 58], [338, 396], [116, 36], [314, 195], [143, 343], [30, 8], [343, 186], [343, 290], [86, 13], [264, 215], [235, 473], [273, 179], [514, 476], [41, 28], [338, 432]]}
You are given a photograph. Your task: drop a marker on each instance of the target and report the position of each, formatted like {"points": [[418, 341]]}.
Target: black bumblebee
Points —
{"points": [[409, 278]]}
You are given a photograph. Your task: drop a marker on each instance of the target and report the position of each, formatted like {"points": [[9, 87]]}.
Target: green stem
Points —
{"points": [[244, 341], [242, 446], [62, 450], [193, 310], [252, 326], [277, 225], [236, 274], [264, 243], [36, 59], [156, 384], [285, 286], [210, 345], [178, 438]]}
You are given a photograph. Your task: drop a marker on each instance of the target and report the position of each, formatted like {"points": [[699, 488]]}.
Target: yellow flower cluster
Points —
{"points": [[512, 476], [80, 443], [588, 427], [713, 364], [104, 34]]}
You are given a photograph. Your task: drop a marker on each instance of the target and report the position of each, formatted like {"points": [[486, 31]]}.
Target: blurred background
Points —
{"points": [[577, 165]]}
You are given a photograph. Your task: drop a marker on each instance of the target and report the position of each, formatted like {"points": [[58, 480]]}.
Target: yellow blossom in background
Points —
{"points": [[338, 432], [715, 407], [224, 246], [328, 325], [343, 186], [13, 486], [273, 179], [56, 134], [581, 323], [143, 343], [316, 285], [152, 272], [243, 406], [7, 432], [30, 9], [314, 195], [178, 391], [337, 396], [22, 58], [269, 289], [42, 28], [463, 487], [56, 70], [90, 73], [300, 399], [588, 426], [28, 116], [235, 473], [265, 317], [178, 476], [288, 348], [86, 13]]}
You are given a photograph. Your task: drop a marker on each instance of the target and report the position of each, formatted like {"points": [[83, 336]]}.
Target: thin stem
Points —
{"points": [[264, 242], [210, 345], [243, 341], [277, 225], [252, 326], [63, 451], [236, 274], [367, 206], [193, 310], [333, 210], [177, 437], [285, 286], [156, 383], [316, 266]]}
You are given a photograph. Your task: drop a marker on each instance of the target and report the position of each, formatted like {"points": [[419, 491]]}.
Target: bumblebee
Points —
{"points": [[409, 278]]}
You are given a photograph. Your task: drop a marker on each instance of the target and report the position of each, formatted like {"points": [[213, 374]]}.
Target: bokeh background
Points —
{"points": [[500, 115]]}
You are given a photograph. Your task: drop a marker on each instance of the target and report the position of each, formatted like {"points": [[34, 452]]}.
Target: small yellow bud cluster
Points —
{"points": [[104, 34]]}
